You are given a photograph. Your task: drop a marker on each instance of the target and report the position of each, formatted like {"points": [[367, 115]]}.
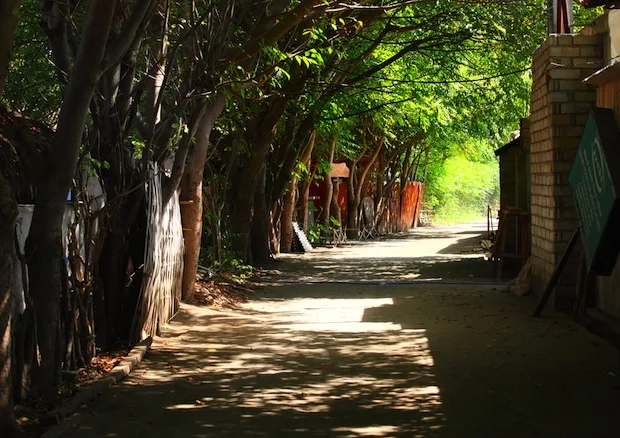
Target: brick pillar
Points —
{"points": [[526, 139], [560, 105]]}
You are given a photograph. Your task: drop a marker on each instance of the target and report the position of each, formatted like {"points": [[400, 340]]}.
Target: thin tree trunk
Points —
{"points": [[215, 223], [288, 211], [8, 20], [296, 149], [8, 214], [153, 110], [304, 199], [335, 207], [352, 220], [426, 153], [329, 187], [404, 168], [327, 202], [261, 252], [304, 192], [191, 195], [275, 228], [379, 179], [354, 203]]}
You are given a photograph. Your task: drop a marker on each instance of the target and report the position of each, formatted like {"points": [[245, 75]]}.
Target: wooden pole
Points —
{"points": [[489, 221], [556, 273], [582, 283]]}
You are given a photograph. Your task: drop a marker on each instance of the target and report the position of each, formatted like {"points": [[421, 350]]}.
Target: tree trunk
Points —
{"points": [[377, 195], [290, 199], [8, 214], [329, 187], [45, 254], [8, 20], [191, 195], [44, 245], [260, 133], [327, 202], [261, 252], [215, 224], [243, 202], [288, 212], [115, 304], [355, 193], [304, 199], [275, 231], [352, 219], [156, 81], [335, 207]]}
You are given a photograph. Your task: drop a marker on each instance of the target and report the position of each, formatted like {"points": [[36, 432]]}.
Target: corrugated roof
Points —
{"points": [[514, 143]]}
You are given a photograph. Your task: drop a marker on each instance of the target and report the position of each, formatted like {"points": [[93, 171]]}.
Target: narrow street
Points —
{"points": [[428, 348]]}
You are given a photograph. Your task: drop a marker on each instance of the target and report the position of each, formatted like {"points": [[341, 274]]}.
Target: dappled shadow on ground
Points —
{"points": [[402, 361], [302, 368], [392, 269], [420, 255]]}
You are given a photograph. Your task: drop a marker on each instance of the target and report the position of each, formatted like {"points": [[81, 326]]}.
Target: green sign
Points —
{"points": [[594, 181]]}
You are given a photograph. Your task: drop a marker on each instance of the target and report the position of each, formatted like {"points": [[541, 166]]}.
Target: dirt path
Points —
{"points": [[451, 253], [369, 360]]}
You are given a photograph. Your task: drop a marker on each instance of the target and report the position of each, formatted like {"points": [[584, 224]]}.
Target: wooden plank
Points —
{"points": [[557, 271]]}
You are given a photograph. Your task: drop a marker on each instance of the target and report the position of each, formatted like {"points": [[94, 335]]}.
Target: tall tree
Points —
{"points": [[44, 244], [8, 214], [192, 192]]}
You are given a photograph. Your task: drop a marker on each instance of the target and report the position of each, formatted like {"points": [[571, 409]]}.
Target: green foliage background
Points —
{"points": [[463, 174], [460, 189], [465, 87]]}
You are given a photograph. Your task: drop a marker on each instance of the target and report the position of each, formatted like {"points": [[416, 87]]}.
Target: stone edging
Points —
{"points": [[118, 373]]}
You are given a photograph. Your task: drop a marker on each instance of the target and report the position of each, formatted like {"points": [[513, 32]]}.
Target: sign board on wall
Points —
{"points": [[595, 182]]}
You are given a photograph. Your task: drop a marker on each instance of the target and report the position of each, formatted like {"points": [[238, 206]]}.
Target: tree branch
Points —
{"points": [[274, 33], [72, 119], [116, 49], [371, 162]]}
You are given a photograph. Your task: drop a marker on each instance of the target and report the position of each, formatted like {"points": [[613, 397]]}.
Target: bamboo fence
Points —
{"points": [[163, 260]]}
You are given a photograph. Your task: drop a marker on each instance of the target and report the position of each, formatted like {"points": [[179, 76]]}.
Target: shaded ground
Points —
{"points": [[354, 360]]}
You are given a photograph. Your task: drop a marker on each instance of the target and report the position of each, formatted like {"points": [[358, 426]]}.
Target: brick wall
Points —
{"points": [[559, 108]]}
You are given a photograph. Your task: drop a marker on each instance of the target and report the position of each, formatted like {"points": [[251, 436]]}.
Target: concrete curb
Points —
{"points": [[118, 373]]}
